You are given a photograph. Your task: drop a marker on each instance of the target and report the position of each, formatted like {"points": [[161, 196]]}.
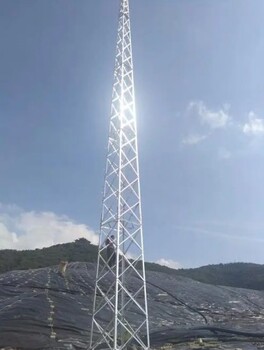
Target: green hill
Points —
{"points": [[80, 250], [242, 275]]}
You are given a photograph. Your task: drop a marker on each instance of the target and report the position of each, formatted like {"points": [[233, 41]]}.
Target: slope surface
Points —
{"points": [[241, 275], [39, 309]]}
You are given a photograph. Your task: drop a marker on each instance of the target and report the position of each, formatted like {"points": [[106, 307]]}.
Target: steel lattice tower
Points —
{"points": [[120, 315]]}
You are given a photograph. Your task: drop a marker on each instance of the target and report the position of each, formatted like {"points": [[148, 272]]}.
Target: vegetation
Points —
{"points": [[80, 250], [243, 275]]}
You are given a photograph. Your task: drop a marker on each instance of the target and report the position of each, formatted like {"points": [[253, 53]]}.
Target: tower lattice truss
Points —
{"points": [[120, 316]]}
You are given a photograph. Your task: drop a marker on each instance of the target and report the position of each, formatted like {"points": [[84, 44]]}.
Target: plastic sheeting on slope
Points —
{"points": [[40, 309]]}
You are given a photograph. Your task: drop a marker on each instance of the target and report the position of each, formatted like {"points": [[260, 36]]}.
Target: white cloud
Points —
{"points": [[169, 263], [254, 126], [214, 119], [193, 139], [20, 229]]}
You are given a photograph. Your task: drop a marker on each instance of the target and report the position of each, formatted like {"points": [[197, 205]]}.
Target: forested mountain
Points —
{"points": [[80, 250], [240, 275], [243, 275]]}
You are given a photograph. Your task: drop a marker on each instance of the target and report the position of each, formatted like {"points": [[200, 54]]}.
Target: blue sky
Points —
{"points": [[199, 90]]}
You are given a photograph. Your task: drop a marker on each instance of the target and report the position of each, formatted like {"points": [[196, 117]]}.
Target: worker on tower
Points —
{"points": [[110, 250]]}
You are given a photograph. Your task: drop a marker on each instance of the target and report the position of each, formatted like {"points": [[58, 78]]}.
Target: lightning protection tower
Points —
{"points": [[120, 315]]}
